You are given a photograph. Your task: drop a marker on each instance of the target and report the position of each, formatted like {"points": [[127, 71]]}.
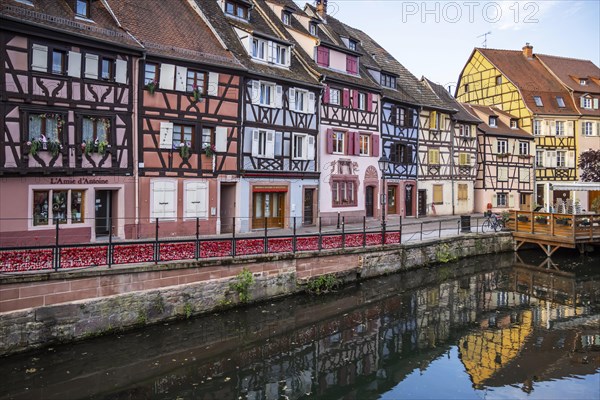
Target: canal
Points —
{"points": [[494, 327]]}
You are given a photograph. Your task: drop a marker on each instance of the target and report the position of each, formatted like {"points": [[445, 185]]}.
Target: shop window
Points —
{"points": [[59, 206]]}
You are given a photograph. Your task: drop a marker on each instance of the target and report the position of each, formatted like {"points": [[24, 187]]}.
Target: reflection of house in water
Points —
{"points": [[512, 346]]}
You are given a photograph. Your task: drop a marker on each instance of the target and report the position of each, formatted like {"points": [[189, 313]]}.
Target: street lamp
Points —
{"points": [[384, 162]]}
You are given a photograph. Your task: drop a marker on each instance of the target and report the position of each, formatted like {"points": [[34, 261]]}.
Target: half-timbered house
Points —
{"points": [[66, 105], [436, 129], [505, 170], [188, 119], [518, 83], [277, 154], [463, 151]]}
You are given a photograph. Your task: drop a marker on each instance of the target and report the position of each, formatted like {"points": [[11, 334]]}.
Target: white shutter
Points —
{"points": [[271, 53], [164, 199], [550, 159], [221, 139], [167, 76], [502, 174], [91, 66], [494, 201], [511, 200], [595, 104], [39, 58], [581, 101], [597, 128], [195, 200], [553, 128], [278, 96], [582, 131], [74, 68], [310, 150], [311, 103], [292, 99], [569, 129], [247, 41], [121, 71], [543, 159], [166, 135], [255, 92], [278, 146], [213, 84], [180, 78], [570, 159], [255, 144], [270, 146]]}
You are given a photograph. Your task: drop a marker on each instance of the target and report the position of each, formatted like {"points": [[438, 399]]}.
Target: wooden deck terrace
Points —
{"points": [[552, 231]]}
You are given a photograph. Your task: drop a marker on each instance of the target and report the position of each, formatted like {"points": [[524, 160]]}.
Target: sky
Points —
{"points": [[436, 38]]}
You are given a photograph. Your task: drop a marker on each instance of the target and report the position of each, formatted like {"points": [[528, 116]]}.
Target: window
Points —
{"points": [[151, 74], [267, 94], [465, 130], [352, 44], [586, 102], [364, 145], [299, 147], [502, 147], [463, 191], [182, 134], [501, 200], [401, 116], [334, 96], [524, 174], [58, 62], [63, 206], [560, 101], [343, 192], [300, 100], [281, 54], [499, 80], [312, 28], [208, 137], [538, 101], [560, 128], [163, 199], [259, 49], [352, 65], [362, 101], [107, 69], [524, 148], [438, 194], [286, 17], [82, 8], [561, 158], [466, 88], [583, 81], [464, 159], [502, 174], [338, 142], [587, 128], [263, 143], [95, 130], [237, 10], [434, 157], [493, 122], [539, 158], [195, 80], [400, 153], [45, 127], [514, 124], [388, 81], [537, 127]]}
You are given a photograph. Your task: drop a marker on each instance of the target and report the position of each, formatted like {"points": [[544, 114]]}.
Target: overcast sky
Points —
{"points": [[435, 38]]}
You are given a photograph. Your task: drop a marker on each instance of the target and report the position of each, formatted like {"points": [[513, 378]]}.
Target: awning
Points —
{"points": [[576, 186]]}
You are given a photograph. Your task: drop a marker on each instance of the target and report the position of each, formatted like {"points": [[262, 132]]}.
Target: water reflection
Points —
{"points": [[506, 328]]}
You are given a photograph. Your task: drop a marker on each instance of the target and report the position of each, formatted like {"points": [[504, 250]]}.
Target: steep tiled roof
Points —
{"points": [[503, 129], [570, 70], [58, 16], [158, 26], [462, 114], [273, 28], [532, 79]]}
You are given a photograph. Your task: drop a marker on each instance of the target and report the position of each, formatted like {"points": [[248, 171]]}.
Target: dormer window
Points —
{"points": [[586, 102], [286, 17], [82, 8], [514, 124], [560, 101], [352, 44], [538, 101], [237, 10], [312, 28], [583, 81], [493, 122], [269, 51], [388, 81]]}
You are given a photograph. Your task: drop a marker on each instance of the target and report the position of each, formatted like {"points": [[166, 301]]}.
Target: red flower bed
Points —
{"points": [[134, 253], [215, 248], [77, 257], [25, 260], [307, 243], [249, 246], [392, 238], [354, 240], [284, 245], [332, 242], [177, 251], [373, 239]]}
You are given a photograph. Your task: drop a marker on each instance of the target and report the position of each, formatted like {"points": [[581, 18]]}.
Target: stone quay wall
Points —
{"points": [[40, 309]]}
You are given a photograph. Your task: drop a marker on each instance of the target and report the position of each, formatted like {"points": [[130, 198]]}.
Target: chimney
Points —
{"points": [[528, 51], [322, 8]]}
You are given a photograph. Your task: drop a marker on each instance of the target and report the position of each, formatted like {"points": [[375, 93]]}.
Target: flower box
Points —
{"points": [[541, 220], [523, 218], [562, 221]]}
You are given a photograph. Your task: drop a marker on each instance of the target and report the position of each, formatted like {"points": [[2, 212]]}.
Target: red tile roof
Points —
{"points": [[570, 70], [502, 129]]}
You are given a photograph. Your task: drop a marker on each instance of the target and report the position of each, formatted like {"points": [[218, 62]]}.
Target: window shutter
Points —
{"points": [[543, 159], [346, 98], [74, 68], [91, 66], [121, 71], [349, 145], [292, 98], [271, 53], [494, 201], [369, 102], [255, 92], [164, 199], [167, 76], [195, 200], [278, 96], [39, 58], [597, 128], [329, 138], [166, 135], [408, 154], [326, 94], [595, 104], [279, 144], [356, 143], [570, 159], [221, 139], [311, 103], [582, 129], [432, 119], [180, 78], [550, 159], [354, 96], [247, 42], [213, 84], [552, 128], [511, 200], [270, 147], [255, 144], [569, 131], [581, 101], [375, 143], [310, 148]]}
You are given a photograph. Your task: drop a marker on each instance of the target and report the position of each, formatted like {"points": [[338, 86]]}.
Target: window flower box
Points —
{"points": [[562, 221], [523, 218], [542, 220], [185, 150]]}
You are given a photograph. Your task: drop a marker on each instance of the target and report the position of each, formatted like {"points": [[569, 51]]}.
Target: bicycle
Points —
{"points": [[492, 222]]}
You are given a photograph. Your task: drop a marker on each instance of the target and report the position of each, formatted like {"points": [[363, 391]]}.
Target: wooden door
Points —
{"points": [[369, 201], [391, 199], [309, 207], [227, 209], [268, 207], [408, 201], [422, 200], [103, 212]]}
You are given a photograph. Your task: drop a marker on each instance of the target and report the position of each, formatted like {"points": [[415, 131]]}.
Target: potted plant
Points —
{"points": [[103, 147], [151, 86], [184, 150], [541, 219], [196, 93], [54, 146], [33, 146], [209, 150]]}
